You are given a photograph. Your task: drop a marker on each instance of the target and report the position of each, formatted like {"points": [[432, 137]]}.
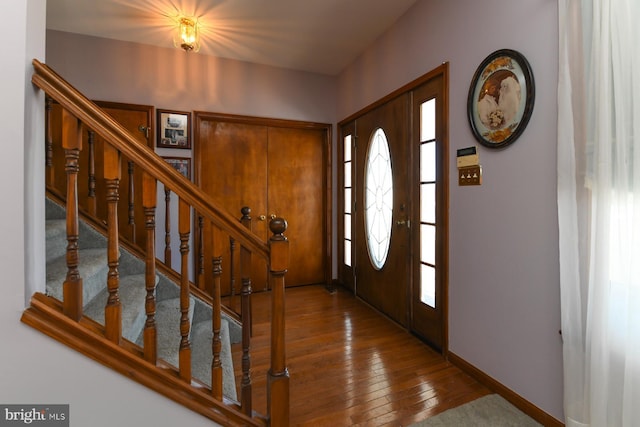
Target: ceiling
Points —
{"points": [[322, 36]]}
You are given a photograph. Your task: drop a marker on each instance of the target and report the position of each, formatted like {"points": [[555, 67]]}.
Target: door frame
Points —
{"points": [[325, 128], [346, 274]]}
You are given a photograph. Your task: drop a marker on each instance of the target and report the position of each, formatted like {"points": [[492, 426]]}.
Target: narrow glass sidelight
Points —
{"points": [[378, 199], [428, 245], [348, 141]]}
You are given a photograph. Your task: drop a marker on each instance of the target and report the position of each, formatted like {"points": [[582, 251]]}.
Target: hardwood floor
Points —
{"points": [[351, 366]]}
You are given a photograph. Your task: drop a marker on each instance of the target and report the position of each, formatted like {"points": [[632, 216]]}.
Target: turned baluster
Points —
{"points": [[278, 376], [216, 344], [72, 145], [184, 216], [149, 205], [232, 272], [201, 251], [132, 214], [113, 309], [92, 202], [167, 226], [245, 272], [49, 141]]}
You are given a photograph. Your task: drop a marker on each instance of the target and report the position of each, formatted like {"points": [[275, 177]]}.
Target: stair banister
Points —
{"points": [[78, 111], [105, 126]]}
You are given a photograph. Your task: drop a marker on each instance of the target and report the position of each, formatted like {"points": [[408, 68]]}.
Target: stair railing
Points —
{"points": [[78, 111]]}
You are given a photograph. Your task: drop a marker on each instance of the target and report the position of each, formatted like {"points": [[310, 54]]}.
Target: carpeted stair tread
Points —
{"points": [[93, 269], [168, 328], [56, 230], [132, 297], [92, 266], [202, 353]]}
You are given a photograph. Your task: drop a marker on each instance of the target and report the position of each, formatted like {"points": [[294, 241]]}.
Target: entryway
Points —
{"points": [[393, 175]]}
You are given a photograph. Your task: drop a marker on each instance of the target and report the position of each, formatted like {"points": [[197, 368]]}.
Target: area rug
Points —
{"points": [[487, 411]]}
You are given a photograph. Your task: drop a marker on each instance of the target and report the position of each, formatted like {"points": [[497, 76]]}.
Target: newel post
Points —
{"points": [[278, 376]]}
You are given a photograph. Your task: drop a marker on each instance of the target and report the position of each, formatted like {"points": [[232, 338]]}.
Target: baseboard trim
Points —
{"points": [[511, 396]]}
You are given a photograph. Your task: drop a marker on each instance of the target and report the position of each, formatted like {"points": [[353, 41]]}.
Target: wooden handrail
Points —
{"points": [[105, 126]]}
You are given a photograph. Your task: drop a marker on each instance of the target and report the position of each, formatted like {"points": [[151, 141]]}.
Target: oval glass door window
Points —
{"points": [[378, 199]]}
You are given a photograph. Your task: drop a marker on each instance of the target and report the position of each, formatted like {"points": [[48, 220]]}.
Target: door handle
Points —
{"points": [[402, 222], [144, 129]]}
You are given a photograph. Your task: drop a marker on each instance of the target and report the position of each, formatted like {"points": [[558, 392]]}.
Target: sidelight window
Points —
{"points": [[428, 203], [347, 199]]}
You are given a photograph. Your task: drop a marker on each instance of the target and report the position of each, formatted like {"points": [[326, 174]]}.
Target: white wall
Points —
{"points": [[504, 308], [35, 369]]}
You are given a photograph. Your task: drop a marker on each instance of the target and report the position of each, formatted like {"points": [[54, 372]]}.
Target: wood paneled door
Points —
{"points": [[276, 168], [383, 208], [393, 206]]}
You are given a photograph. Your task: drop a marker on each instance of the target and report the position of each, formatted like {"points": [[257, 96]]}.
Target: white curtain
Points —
{"points": [[599, 210]]}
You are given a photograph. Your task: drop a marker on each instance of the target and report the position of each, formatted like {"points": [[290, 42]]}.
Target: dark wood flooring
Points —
{"points": [[351, 366]]}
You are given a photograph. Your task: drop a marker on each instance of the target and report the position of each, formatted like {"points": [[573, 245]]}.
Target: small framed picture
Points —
{"points": [[500, 98], [181, 164], [174, 129]]}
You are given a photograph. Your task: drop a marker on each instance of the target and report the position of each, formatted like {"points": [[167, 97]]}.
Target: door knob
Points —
{"points": [[402, 222], [144, 129]]}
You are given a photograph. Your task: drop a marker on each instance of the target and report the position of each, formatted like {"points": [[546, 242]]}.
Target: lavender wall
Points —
{"points": [[170, 78], [504, 307]]}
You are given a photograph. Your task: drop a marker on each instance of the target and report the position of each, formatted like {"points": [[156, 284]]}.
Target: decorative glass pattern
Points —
{"points": [[378, 199]]}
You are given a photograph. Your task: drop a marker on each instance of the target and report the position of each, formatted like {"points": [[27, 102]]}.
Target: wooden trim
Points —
{"points": [[406, 88], [87, 337], [260, 121], [514, 398], [444, 72]]}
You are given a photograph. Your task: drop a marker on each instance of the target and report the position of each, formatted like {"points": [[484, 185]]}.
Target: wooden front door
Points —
{"points": [[276, 168], [383, 208], [399, 263]]}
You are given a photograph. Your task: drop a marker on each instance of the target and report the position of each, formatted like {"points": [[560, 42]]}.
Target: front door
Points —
{"points": [[383, 207], [393, 205]]}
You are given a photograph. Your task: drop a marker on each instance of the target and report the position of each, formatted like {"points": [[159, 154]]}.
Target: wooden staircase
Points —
{"points": [[65, 320]]}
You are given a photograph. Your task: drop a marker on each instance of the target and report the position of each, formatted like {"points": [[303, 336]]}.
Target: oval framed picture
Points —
{"points": [[501, 98]]}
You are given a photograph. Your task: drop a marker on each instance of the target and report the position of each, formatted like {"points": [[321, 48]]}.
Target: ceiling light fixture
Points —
{"points": [[187, 35]]}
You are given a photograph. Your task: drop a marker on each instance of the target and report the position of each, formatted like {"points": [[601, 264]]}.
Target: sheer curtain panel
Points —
{"points": [[599, 210]]}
